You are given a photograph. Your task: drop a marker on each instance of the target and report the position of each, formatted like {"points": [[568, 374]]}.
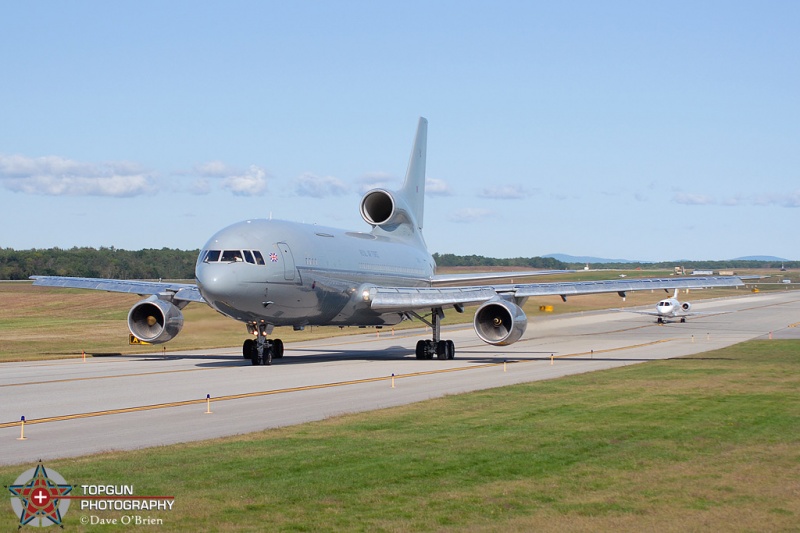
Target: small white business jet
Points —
{"points": [[274, 273], [668, 308]]}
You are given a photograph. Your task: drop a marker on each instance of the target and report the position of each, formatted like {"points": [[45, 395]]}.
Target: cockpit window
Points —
{"points": [[253, 257], [231, 256]]}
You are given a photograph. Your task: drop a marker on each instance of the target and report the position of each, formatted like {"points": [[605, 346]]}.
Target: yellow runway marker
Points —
{"points": [[22, 429]]}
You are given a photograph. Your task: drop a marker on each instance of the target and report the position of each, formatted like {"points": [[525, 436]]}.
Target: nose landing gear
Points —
{"points": [[262, 350]]}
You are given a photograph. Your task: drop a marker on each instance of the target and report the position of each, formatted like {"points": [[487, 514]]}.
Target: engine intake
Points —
{"points": [[686, 306], [377, 207], [500, 322], [155, 321]]}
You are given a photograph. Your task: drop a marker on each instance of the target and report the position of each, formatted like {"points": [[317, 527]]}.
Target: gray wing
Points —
{"points": [[401, 299], [180, 291], [439, 279]]}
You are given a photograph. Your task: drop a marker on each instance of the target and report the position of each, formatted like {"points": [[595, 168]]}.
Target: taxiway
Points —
{"points": [[75, 408]]}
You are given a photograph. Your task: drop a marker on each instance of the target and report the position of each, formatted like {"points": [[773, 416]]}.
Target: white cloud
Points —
{"points": [[200, 187], [377, 180], [692, 199], [57, 176], [470, 214], [505, 192], [436, 187], [791, 199], [253, 182], [319, 187], [214, 169], [733, 201]]}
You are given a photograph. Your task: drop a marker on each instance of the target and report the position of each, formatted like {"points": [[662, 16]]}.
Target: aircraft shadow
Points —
{"points": [[401, 354], [397, 353]]}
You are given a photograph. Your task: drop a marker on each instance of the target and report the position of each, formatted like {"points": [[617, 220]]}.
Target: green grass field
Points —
{"points": [[703, 443]]}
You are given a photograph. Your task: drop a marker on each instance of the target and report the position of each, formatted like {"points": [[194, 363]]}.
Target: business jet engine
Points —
{"points": [[380, 207], [500, 322], [686, 306], [154, 320]]}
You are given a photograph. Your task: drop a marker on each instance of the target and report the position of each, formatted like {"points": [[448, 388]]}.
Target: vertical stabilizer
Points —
{"points": [[413, 190]]}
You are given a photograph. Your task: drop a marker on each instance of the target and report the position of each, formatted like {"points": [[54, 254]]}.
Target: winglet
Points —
{"points": [[413, 190]]}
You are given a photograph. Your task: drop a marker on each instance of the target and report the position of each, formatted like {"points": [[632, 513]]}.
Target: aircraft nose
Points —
{"points": [[214, 283]]}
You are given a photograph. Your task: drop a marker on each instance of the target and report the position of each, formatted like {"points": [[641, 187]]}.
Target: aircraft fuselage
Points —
{"points": [[291, 274]]}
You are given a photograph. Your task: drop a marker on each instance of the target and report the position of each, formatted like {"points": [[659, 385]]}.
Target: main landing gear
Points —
{"points": [[660, 321], [262, 350], [442, 349]]}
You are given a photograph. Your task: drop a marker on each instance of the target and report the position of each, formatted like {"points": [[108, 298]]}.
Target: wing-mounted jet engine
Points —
{"points": [[155, 320], [500, 322]]}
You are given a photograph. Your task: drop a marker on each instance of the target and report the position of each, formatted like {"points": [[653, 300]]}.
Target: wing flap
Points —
{"points": [[409, 298]]}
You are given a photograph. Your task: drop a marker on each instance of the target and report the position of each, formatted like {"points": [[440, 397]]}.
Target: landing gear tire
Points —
{"points": [[683, 321], [441, 350], [263, 350], [248, 348], [420, 350]]}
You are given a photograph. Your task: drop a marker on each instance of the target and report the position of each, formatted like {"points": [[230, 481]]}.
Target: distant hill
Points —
{"points": [[589, 259], [565, 258], [761, 258]]}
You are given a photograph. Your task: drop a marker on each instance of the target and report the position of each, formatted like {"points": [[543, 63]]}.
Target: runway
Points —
{"points": [[75, 408]]}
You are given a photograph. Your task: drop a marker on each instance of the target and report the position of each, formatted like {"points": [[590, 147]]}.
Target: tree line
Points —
{"points": [[168, 263], [547, 263], [113, 263]]}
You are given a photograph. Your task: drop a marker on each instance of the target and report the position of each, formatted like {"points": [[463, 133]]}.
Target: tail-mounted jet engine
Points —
{"points": [[380, 208], [686, 306], [500, 322], [155, 321]]}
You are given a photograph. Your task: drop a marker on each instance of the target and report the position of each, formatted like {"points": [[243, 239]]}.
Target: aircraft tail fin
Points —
{"points": [[413, 190], [400, 212]]}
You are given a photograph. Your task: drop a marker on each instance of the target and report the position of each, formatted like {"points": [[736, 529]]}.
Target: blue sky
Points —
{"points": [[637, 130]]}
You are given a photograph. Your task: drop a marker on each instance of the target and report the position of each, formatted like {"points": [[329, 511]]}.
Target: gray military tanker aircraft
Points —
{"points": [[269, 273]]}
